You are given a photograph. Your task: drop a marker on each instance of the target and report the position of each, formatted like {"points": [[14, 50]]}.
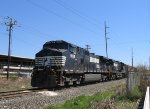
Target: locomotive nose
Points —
{"points": [[50, 58]]}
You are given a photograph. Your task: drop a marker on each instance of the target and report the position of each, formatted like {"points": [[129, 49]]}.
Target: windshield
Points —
{"points": [[56, 45]]}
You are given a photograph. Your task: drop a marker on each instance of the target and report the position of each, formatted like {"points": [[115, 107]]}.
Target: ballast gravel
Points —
{"points": [[40, 100]]}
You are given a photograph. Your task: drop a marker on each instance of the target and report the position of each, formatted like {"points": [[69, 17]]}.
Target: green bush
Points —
{"points": [[83, 102]]}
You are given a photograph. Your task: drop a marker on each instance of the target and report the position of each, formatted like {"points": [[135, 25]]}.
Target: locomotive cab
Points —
{"points": [[49, 62]]}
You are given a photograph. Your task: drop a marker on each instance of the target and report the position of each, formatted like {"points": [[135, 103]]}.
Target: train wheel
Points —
{"points": [[74, 83], [66, 84], [82, 81]]}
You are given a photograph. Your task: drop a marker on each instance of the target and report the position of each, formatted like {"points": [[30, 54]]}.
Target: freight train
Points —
{"points": [[61, 63]]}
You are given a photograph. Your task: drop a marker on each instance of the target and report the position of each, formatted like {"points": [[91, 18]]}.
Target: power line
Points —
{"points": [[59, 16], [95, 21], [75, 11], [28, 43], [11, 23], [33, 30]]}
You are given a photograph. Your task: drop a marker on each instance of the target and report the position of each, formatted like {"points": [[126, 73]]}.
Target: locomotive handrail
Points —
{"points": [[147, 99]]}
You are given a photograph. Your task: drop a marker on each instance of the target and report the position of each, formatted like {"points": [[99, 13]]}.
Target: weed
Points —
{"points": [[83, 102], [105, 99]]}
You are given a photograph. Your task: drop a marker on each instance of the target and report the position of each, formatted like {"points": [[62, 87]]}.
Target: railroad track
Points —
{"points": [[18, 93], [37, 101]]}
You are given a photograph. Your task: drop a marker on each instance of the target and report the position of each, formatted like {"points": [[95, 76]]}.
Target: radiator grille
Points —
{"points": [[50, 61]]}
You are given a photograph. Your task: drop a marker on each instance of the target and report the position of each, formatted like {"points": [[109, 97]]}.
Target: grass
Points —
{"points": [[14, 83], [122, 101], [129, 101], [83, 102], [148, 72]]}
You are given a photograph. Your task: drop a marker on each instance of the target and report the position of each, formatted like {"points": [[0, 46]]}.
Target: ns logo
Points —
{"points": [[46, 61]]}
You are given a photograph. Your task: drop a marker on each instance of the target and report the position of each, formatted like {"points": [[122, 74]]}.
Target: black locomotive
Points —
{"points": [[62, 63]]}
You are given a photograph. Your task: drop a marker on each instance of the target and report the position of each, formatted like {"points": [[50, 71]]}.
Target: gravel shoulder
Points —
{"points": [[38, 101]]}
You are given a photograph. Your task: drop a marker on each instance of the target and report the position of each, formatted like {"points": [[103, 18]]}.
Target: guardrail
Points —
{"points": [[147, 99]]}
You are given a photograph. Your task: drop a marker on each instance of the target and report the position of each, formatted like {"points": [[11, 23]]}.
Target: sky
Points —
{"points": [[79, 22]]}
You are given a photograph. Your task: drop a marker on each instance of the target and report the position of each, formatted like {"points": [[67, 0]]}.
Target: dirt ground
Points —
{"points": [[108, 104], [14, 84]]}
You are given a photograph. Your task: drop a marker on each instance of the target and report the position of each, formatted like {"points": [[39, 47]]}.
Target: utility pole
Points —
{"points": [[106, 38], [149, 63], [87, 47], [132, 57], [10, 25], [88, 64]]}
